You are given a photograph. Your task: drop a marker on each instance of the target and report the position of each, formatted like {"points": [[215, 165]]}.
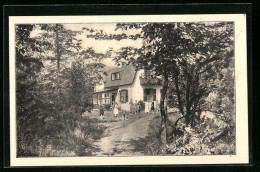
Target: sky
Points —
{"points": [[101, 46]]}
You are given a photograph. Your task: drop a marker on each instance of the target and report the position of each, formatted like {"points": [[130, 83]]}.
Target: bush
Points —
{"points": [[107, 107], [56, 128], [210, 136]]}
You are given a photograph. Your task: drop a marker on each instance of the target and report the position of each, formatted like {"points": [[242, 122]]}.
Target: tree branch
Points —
{"points": [[178, 120]]}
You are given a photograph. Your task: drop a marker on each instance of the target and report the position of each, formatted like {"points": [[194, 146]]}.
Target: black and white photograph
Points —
{"points": [[145, 88]]}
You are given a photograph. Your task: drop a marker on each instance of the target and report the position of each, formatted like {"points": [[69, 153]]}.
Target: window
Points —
{"points": [[124, 96], [115, 76], [107, 95], [105, 98], [105, 101]]}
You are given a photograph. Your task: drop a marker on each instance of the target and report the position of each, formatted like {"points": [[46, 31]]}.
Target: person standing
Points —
{"points": [[131, 104], [152, 107], [101, 112], [139, 107], [124, 116], [115, 111], [136, 107]]}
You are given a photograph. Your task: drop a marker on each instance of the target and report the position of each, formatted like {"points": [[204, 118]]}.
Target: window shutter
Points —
{"points": [[126, 92]]}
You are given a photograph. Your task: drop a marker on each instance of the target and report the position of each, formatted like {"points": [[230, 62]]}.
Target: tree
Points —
{"points": [[83, 78], [211, 52], [62, 46], [61, 42], [27, 70]]}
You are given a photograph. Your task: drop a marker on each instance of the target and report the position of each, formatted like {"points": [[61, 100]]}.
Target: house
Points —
{"points": [[123, 84]]}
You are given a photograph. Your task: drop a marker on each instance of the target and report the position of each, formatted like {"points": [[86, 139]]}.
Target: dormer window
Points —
{"points": [[115, 76]]}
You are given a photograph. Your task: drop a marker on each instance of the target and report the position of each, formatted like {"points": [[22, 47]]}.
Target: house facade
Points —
{"points": [[123, 84]]}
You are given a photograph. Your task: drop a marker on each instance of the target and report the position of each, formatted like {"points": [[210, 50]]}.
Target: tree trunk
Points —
{"points": [[178, 94], [194, 112], [164, 137], [188, 110]]}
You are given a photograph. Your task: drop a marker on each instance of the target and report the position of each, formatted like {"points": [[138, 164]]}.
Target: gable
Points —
{"points": [[127, 75]]}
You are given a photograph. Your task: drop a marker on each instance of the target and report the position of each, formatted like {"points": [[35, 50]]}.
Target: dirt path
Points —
{"points": [[119, 134]]}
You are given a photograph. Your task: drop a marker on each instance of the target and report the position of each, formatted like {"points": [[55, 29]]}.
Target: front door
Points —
{"points": [[113, 97], [149, 94]]}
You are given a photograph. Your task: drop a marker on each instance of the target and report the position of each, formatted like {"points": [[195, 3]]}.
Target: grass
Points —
{"points": [[150, 145], [69, 141]]}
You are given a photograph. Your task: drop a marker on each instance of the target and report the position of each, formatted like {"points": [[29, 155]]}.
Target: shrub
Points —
{"points": [[107, 107], [210, 136], [50, 131]]}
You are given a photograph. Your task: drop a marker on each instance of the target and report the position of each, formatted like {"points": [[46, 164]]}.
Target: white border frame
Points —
{"points": [[242, 146]]}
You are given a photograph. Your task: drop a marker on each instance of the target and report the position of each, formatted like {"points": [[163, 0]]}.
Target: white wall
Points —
{"points": [[135, 92], [124, 106], [158, 93]]}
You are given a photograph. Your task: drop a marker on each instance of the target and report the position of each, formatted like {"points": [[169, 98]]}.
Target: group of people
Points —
{"points": [[135, 108], [116, 111]]}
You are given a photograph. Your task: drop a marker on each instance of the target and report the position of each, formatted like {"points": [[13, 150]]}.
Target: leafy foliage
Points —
{"points": [[210, 137], [60, 43], [50, 102], [27, 69]]}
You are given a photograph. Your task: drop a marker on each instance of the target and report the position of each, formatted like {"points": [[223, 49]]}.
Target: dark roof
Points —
{"points": [[127, 75]]}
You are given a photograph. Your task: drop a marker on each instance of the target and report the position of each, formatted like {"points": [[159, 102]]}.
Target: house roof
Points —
{"points": [[127, 75], [106, 90]]}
